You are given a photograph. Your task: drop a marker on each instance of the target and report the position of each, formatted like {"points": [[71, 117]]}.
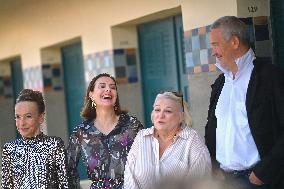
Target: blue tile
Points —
{"points": [[120, 72], [202, 40], [106, 53], [261, 32], [194, 32], [190, 70], [131, 59], [132, 74], [132, 71], [250, 32], [195, 43], [208, 28], [132, 80], [204, 56], [208, 41], [247, 21], [56, 72], [107, 61], [97, 62], [209, 53], [189, 59], [205, 68], [118, 51], [188, 44], [46, 66], [47, 82], [196, 58], [57, 88], [119, 60]]}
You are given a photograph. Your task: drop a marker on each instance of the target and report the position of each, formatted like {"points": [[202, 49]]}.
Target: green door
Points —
{"points": [[161, 56], [17, 77], [181, 64], [74, 86], [277, 24], [17, 81]]}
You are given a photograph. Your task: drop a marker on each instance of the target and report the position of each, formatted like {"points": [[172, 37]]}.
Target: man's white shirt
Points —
{"points": [[235, 146]]}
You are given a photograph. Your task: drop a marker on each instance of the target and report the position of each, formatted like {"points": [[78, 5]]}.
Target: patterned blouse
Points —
{"points": [[104, 156], [38, 162]]}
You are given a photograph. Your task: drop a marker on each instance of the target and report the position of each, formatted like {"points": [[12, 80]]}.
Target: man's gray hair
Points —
{"points": [[232, 26]]}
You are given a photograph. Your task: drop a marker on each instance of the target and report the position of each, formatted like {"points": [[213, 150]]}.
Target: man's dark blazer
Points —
{"points": [[265, 112]]}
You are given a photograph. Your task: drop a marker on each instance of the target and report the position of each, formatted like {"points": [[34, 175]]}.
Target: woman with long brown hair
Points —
{"points": [[104, 138]]}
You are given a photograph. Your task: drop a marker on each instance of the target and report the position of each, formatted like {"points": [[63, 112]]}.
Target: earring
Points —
{"points": [[94, 105], [115, 107]]}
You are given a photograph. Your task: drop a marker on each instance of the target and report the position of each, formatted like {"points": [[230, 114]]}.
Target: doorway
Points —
{"points": [[162, 60], [74, 86]]}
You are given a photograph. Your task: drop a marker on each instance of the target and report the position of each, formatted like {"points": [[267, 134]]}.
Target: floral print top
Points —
{"points": [[104, 156], [38, 162]]}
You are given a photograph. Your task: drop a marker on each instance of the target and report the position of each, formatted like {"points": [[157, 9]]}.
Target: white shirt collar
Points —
{"points": [[241, 63]]}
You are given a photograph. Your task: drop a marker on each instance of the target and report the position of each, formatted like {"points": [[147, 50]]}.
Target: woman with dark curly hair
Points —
{"points": [[35, 160]]}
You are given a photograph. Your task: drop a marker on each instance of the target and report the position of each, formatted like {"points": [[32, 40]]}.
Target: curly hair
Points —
{"points": [[32, 96]]}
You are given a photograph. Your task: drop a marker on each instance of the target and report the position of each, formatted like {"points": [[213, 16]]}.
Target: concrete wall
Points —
{"points": [[199, 98]]}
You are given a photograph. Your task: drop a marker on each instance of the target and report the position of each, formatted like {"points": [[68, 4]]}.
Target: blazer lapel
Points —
{"points": [[251, 91]]}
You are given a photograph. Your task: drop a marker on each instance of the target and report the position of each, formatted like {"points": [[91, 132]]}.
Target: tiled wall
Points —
{"points": [[52, 77], [125, 65], [198, 51], [122, 63], [100, 62], [33, 78]]}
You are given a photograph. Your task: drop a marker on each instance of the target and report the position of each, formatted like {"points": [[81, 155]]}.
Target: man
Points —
{"points": [[245, 125]]}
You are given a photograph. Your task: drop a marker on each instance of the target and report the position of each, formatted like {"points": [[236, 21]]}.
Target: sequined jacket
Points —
{"points": [[36, 163], [104, 156]]}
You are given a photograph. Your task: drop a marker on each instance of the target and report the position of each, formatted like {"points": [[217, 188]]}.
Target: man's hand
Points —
{"points": [[254, 180]]}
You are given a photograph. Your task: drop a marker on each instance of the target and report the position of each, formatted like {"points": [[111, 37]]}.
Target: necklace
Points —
{"points": [[173, 139]]}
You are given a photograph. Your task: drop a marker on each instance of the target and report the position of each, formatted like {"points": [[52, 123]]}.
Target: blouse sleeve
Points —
{"points": [[7, 178], [130, 182], [199, 158], [61, 165], [73, 156]]}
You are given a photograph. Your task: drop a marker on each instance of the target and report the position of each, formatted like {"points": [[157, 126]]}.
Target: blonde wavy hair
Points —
{"points": [[178, 98]]}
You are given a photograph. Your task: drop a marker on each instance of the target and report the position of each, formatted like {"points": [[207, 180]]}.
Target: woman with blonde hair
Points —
{"points": [[169, 149]]}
